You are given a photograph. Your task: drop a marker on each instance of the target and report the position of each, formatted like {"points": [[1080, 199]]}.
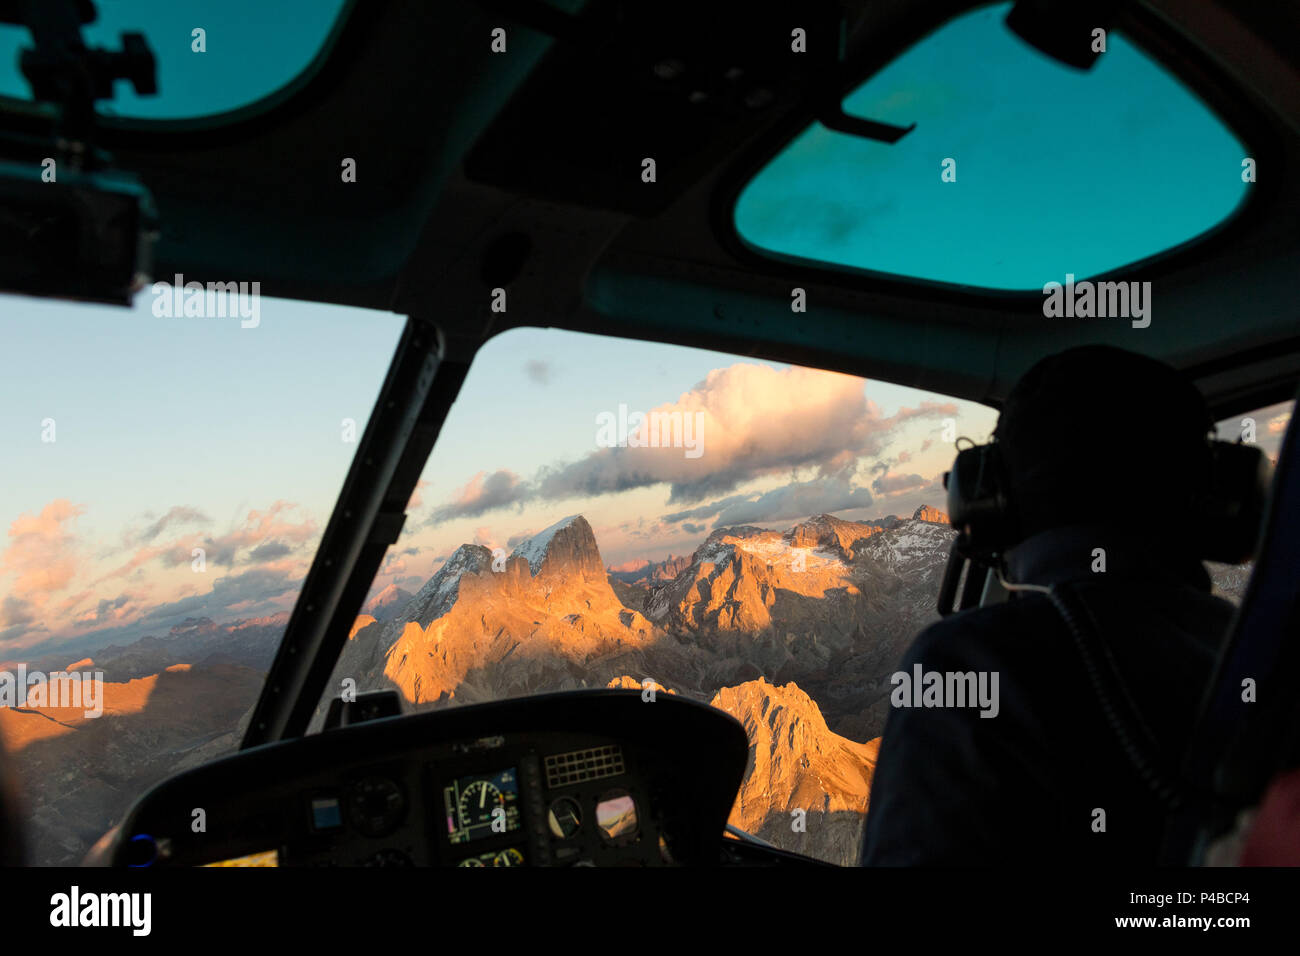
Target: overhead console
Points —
{"points": [[588, 778]]}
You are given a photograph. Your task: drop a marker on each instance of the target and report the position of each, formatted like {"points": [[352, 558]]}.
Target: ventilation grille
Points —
{"points": [[563, 770]]}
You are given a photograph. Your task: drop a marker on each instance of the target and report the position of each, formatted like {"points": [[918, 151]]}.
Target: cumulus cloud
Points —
{"points": [[895, 484], [483, 493], [41, 554], [750, 421], [796, 500], [269, 552]]}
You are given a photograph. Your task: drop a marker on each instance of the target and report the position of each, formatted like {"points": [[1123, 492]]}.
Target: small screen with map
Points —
{"points": [[482, 805]]}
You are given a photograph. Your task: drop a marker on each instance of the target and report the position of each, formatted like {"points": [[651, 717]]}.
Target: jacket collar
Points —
{"points": [[1071, 554]]}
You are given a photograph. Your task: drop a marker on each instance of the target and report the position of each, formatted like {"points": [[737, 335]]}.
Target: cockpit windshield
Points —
{"points": [[167, 472]]}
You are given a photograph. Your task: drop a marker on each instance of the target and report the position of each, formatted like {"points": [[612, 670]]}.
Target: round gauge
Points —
{"points": [[510, 857], [565, 817], [478, 800], [376, 805], [472, 861]]}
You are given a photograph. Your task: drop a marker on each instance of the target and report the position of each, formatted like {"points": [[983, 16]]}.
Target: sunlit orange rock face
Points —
{"points": [[79, 774], [548, 607], [627, 682], [932, 515], [20, 726], [806, 788]]}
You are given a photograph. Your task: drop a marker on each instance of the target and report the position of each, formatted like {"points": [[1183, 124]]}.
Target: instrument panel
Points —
{"points": [[512, 783]]}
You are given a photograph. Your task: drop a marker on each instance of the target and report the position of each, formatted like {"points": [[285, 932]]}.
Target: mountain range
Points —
{"points": [[793, 632], [804, 624]]}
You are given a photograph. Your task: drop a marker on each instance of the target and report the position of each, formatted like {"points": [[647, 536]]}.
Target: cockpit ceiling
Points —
{"points": [[471, 152]]}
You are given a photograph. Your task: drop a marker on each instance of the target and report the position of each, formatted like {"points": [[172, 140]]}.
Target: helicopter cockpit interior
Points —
{"points": [[649, 174]]}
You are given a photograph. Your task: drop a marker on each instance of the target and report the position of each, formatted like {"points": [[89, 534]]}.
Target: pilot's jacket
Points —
{"points": [[1045, 780]]}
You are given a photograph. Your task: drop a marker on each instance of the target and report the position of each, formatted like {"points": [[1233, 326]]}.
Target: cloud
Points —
{"points": [[417, 498], [517, 539], [539, 371], [269, 552], [248, 589], [710, 509], [263, 535], [483, 493], [894, 484], [15, 612], [41, 554], [179, 514], [904, 457], [109, 611], [1277, 424], [750, 421], [693, 528], [796, 500]]}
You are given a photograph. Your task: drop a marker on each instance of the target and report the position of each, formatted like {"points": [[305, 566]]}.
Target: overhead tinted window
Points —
{"points": [[1050, 170], [212, 55]]}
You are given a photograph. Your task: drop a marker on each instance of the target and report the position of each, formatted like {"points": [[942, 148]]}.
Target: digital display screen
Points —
{"points": [[265, 858], [482, 805], [326, 813], [616, 817]]}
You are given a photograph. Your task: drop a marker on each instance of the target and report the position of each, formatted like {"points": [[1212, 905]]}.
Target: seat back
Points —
{"points": [[1249, 724]]}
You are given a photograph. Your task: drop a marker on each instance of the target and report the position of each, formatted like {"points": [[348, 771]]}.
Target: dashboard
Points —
{"points": [[587, 778]]}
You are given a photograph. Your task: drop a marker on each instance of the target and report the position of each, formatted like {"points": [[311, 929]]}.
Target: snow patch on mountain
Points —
{"points": [[912, 544], [534, 549], [439, 593]]}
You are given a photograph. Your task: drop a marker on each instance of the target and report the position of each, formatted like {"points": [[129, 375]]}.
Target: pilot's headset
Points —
{"points": [[1226, 510]]}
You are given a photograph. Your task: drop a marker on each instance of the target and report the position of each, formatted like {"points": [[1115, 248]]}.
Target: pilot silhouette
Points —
{"points": [[1103, 454]]}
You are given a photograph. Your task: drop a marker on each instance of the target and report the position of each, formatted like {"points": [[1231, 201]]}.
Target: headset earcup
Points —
{"points": [[978, 504], [1231, 512]]}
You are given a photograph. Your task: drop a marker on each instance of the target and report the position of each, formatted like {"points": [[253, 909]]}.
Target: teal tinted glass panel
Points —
{"points": [[252, 48], [1057, 170]]}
